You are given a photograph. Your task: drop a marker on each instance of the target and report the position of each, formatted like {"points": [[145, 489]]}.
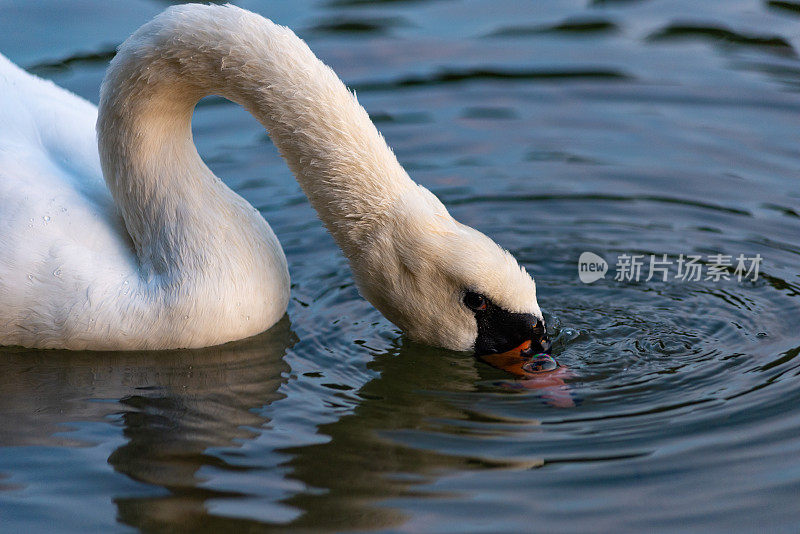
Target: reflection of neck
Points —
{"points": [[171, 202], [354, 485]]}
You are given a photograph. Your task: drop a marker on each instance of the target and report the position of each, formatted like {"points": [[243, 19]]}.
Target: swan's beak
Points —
{"points": [[500, 331], [530, 358], [539, 344]]}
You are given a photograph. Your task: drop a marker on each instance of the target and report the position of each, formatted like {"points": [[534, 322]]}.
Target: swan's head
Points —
{"points": [[447, 284]]}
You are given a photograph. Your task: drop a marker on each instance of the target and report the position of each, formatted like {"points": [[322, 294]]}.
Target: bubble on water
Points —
{"points": [[30, 277], [57, 273], [46, 219], [541, 363]]}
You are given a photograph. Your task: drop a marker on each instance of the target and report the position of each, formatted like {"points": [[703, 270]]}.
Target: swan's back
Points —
{"points": [[57, 220]]}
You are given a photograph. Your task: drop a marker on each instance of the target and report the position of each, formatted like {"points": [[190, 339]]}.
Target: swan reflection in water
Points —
{"points": [[199, 429]]}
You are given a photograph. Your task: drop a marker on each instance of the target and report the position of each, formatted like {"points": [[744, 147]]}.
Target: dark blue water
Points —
{"points": [[556, 127]]}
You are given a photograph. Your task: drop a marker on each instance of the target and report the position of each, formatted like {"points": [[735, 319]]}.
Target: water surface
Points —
{"points": [[556, 127]]}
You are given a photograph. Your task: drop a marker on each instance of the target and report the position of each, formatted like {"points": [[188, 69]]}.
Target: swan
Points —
{"points": [[125, 240]]}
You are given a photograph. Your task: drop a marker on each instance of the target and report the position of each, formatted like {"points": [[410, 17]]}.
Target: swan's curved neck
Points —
{"points": [[173, 206]]}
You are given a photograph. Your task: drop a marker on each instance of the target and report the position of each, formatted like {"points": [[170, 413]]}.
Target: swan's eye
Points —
{"points": [[474, 301]]}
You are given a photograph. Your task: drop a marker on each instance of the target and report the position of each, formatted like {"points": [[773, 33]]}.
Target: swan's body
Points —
{"points": [[140, 246]]}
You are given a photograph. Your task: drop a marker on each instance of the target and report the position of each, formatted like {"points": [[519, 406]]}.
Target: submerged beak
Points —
{"points": [[514, 341], [530, 357], [522, 361]]}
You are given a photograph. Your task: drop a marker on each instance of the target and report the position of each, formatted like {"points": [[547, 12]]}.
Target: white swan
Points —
{"points": [[161, 254]]}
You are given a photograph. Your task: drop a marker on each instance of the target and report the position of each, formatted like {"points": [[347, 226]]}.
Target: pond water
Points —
{"points": [[618, 127]]}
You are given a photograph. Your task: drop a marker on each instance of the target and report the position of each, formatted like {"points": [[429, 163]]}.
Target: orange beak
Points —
{"points": [[549, 381], [516, 361]]}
